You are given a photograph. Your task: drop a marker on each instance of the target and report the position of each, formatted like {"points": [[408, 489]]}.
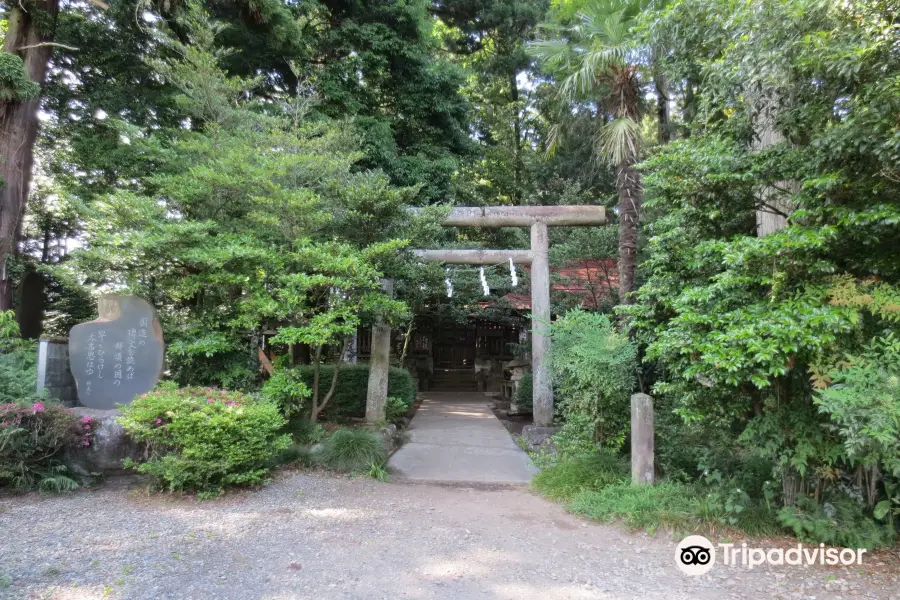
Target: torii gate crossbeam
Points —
{"points": [[538, 218]]}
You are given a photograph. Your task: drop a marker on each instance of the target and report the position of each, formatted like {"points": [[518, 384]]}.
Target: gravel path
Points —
{"points": [[320, 536]]}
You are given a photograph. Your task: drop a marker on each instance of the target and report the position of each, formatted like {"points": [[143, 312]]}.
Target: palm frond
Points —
{"points": [[618, 140], [594, 66], [554, 138], [555, 53]]}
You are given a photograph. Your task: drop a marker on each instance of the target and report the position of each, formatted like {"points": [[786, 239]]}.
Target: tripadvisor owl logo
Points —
{"points": [[695, 555]]}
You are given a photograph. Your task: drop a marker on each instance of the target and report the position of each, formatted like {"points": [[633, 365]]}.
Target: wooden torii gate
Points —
{"points": [[538, 218]]}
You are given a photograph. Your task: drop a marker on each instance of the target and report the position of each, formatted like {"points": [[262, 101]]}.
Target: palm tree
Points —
{"points": [[596, 62]]}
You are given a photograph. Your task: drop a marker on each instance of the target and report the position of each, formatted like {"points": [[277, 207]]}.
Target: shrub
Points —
{"points": [[838, 522], [18, 363], [594, 370], [575, 437], [295, 453], [525, 393], [862, 397], [305, 432], [33, 438], [352, 450], [394, 409], [286, 388], [594, 471], [349, 399], [204, 439]]}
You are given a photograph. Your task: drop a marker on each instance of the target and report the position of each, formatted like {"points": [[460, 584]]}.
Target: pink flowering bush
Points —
{"points": [[204, 439], [33, 437]]}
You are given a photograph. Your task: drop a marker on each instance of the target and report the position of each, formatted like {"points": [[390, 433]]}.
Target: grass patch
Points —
{"points": [[378, 472], [598, 486], [591, 472], [665, 506], [349, 450]]}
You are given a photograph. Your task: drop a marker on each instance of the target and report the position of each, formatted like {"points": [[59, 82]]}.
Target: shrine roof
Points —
{"points": [[589, 279]]}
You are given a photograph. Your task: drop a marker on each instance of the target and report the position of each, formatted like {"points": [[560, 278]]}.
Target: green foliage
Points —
{"points": [[594, 370], [305, 432], [285, 388], [593, 472], [295, 454], [666, 506], [266, 218], [395, 408], [18, 363], [15, 85], [378, 473], [840, 522], [204, 439], [577, 436], [33, 439], [863, 401], [525, 393], [743, 334], [352, 450], [349, 399]]}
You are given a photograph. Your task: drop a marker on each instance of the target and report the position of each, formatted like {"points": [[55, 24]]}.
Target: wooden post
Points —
{"points": [[379, 364], [540, 325], [642, 451]]}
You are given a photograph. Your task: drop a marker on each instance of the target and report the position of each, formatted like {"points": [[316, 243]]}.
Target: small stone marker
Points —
{"points": [[642, 448], [119, 355]]}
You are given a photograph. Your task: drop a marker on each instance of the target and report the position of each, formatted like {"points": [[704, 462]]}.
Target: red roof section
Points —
{"points": [[592, 280]]}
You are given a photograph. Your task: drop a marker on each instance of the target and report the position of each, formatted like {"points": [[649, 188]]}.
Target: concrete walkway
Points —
{"points": [[455, 437]]}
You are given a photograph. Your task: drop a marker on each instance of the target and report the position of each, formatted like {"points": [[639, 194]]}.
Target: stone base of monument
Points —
{"points": [[516, 410], [538, 437], [110, 446]]}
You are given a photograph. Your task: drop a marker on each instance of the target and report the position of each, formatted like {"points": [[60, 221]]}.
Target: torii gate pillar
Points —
{"points": [[542, 399], [538, 218]]}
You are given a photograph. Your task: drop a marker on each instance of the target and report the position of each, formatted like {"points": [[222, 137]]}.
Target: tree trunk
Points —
{"points": [[314, 413], [316, 406], [517, 133], [628, 182], [661, 83], [26, 36], [690, 106], [406, 338], [773, 214]]}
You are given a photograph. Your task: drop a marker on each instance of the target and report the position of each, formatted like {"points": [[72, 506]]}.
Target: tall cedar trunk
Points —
{"points": [[26, 32], [775, 208], [517, 133]]}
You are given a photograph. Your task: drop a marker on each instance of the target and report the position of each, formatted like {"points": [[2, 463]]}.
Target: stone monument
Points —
{"points": [[119, 355]]}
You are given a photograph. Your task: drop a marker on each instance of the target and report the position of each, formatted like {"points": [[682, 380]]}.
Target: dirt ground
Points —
{"points": [[312, 535]]}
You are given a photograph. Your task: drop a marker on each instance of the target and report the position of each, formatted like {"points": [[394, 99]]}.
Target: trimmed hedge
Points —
{"points": [[349, 398]]}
